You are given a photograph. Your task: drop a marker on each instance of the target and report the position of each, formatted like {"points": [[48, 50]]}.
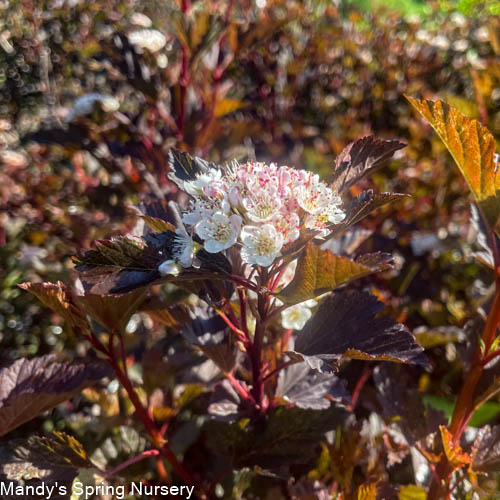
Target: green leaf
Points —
{"points": [[319, 271], [472, 146]]}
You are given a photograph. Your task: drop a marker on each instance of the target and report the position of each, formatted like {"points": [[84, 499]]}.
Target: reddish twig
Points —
{"points": [[359, 386], [131, 461]]}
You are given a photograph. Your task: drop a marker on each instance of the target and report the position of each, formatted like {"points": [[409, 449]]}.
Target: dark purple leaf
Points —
{"points": [[363, 205], [307, 388], [284, 436], [360, 158], [210, 334], [346, 326], [225, 402], [400, 399], [53, 461], [31, 386]]}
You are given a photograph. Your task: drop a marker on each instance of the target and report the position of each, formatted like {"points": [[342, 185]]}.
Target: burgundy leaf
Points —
{"points": [[346, 326], [31, 386], [307, 388], [360, 158]]}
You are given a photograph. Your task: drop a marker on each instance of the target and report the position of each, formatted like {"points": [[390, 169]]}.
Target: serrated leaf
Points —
{"points": [[319, 271], [284, 436], [111, 311], [31, 386], [156, 215], [345, 326], [51, 460], [306, 388], [360, 158], [454, 453], [401, 401], [486, 450], [363, 205], [55, 296], [472, 146]]}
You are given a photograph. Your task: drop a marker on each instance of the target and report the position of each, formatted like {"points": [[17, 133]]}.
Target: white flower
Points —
{"points": [[169, 267], [202, 181], [262, 204], [203, 208], [295, 317], [84, 105], [314, 196], [288, 224], [261, 244], [219, 231], [152, 40], [334, 213], [183, 248]]}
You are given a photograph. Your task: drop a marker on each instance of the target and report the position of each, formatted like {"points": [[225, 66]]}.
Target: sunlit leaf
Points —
{"points": [[111, 311], [454, 453], [319, 271], [55, 296], [472, 147], [49, 460]]}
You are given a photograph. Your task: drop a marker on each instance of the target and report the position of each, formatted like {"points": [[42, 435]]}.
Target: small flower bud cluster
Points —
{"points": [[260, 207]]}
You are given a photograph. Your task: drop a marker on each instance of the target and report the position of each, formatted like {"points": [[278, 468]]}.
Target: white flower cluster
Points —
{"points": [[258, 206]]}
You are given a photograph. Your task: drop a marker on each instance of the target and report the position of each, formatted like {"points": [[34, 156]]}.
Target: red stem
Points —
{"points": [[242, 391], [278, 369], [359, 386], [131, 461], [256, 354], [142, 413], [464, 407]]}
